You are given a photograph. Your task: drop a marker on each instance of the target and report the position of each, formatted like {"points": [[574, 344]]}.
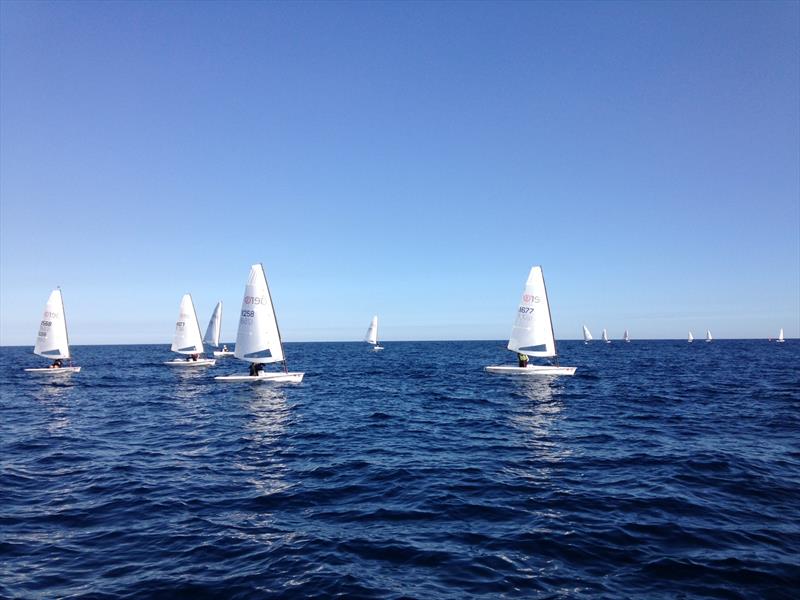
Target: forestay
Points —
{"points": [[372, 332], [532, 333], [258, 339], [52, 341], [187, 330], [212, 333]]}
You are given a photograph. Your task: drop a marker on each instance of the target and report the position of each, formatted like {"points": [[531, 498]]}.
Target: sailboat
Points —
{"points": [[213, 330], [53, 341], [691, 337], [587, 336], [532, 333], [258, 339], [605, 337], [708, 335], [372, 334], [187, 338], [626, 337], [780, 339]]}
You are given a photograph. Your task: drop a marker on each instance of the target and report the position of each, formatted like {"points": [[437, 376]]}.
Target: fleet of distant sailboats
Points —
{"points": [[259, 343]]}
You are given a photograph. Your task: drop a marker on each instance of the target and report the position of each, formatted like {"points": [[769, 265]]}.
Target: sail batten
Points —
{"points": [[52, 340], [258, 338], [214, 325], [532, 333], [187, 338]]}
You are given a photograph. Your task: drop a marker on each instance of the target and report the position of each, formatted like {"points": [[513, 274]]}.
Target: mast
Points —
{"points": [[275, 317], [550, 315], [64, 314], [197, 324]]}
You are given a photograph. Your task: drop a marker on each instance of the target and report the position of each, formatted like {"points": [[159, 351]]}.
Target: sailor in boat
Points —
{"points": [[255, 368], [224, 347], [523, 360], [193, 357], [56, 364]]}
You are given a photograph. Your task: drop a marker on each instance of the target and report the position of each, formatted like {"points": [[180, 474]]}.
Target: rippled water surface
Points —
{"points": [[660, 470]]}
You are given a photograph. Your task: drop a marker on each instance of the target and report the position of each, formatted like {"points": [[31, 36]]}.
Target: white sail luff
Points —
{"points": [[708, 335], [532, 333], [214, 325], [52, 340], [258, 339], [691, 337], [371, 336], [605, 335], [187, 339], [780, 335], [587, 336]]}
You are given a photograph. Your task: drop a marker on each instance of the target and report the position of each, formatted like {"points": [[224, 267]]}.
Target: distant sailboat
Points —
{"points": [[258, 340], [605, 337], [187, 340], [213, 332], [532, 333], [626, 337], [780, 339], [53, 341], [691, 337], [708, 335], [372, 334], [587, 336]]}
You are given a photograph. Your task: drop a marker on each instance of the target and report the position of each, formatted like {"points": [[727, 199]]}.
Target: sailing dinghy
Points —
{"points": [[605, 337], [708, 335], [587, 336], [780, 339], [532, 333], [626, 337], [53, 341], [372, 335], [258, 340], [213, 330], [187, 338], [691, 337]]}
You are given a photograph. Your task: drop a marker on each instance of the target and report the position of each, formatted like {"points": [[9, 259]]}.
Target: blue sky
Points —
{"points": [[407, 159]]}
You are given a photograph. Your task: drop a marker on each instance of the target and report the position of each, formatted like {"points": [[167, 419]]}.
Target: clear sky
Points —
{"points": [[407, 159]]}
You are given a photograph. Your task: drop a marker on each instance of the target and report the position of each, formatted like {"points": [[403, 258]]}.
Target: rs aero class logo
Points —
{"points": [[531, 299], [255, 299]]}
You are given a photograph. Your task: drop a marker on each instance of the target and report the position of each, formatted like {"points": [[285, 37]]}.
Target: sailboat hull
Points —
{"points": [[58, 371], [376, 348], [263, 377], [221, 353], [202, 362], [531, 370]]}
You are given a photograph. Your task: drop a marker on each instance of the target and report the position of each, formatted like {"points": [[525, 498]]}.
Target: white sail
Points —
{"points": [[215, 323], [587, 336], [258, 339], [187, 338], [532, 333], [626, 337], [52, 341], [605, 335], [708, 335], [372, 331], [780, 335], [691, 337]]}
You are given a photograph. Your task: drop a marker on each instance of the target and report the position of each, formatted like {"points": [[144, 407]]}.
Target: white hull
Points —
{"points": [[376, 348], [780, 341], [58, 371], [531, 370], [220, 353], [202, 362], [264, 377]]}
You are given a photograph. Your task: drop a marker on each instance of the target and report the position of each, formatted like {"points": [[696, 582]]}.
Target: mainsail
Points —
{"points": [[691, 337], [708, 335], [372, 331], [52, 341], [187, 338], [626, 337], [587, 336], [258, 339], [605, 335], [212, 332], [532, 333]]}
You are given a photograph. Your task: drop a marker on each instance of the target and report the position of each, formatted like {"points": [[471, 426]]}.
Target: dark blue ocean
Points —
{"points": [[660, 470]]}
